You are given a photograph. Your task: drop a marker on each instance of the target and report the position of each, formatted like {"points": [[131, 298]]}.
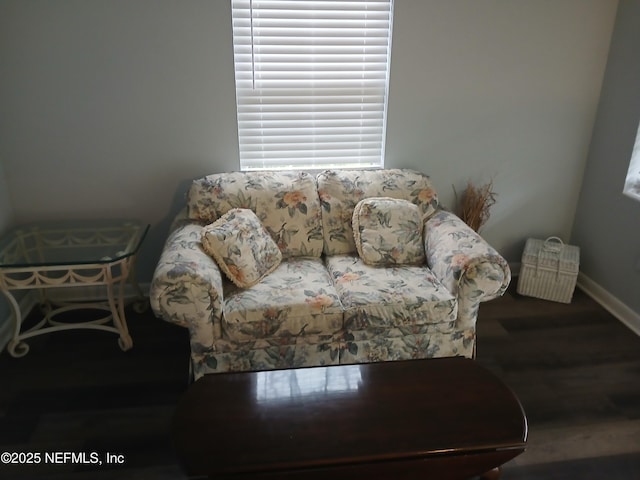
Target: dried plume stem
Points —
{"points": [[475, 205]]}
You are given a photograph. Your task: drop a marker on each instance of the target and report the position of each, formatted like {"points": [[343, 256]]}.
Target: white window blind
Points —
{"points": [[311, 82]]}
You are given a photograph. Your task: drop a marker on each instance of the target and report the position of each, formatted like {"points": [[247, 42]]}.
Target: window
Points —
{"points": [[632, 184], [311, 82]]}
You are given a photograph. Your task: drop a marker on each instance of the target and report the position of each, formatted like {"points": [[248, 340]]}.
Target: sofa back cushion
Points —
{"points": [[285, 202], [341, 190]]}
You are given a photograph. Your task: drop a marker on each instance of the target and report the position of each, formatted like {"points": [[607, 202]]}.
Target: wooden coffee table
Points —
{"points": [[439, 418]]}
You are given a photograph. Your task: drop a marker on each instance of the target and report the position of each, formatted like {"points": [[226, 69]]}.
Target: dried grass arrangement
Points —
{"points": [[475, 204]]}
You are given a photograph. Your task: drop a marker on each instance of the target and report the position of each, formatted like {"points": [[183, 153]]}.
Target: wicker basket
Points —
{"points": [[549, 270]]}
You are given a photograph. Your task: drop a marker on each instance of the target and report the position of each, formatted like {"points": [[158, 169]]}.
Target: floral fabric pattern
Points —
{"points": [[187, 285], [390, 297], [286, 203], [241, 247], [388, 231], [297, 299], [455, 253], [374, 347], [331, 310], [268, 354], [341, 190], [465, 263]]}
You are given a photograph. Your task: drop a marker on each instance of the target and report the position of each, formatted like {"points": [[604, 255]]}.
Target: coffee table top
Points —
{"points": [[284, 419], [70, 243]]}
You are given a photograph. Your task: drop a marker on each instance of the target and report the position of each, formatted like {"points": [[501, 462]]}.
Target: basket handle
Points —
{"points": [[553, 244]]}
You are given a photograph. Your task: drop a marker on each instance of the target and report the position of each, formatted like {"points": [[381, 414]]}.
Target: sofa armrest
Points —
{"points": [[186, 288], [465, 263]]}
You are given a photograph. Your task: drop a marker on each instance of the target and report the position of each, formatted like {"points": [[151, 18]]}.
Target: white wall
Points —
{"points": [[110, 107], [500, 90]]}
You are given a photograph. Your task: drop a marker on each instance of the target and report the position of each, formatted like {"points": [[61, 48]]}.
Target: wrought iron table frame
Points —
{"points": [[19, 271]]}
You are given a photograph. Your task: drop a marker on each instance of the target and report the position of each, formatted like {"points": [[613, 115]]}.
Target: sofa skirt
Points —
{"points": [[344, 348]]}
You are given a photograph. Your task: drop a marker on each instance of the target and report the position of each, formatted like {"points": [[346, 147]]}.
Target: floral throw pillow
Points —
{"points": [[241, 247], [388, 231]]}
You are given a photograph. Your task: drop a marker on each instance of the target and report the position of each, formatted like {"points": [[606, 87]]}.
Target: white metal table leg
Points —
{"points": [[16, 347], [117, 311]]}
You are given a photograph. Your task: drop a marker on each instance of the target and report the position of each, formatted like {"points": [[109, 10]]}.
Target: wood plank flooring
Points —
{"points": [[574, 367], [576, 370]]}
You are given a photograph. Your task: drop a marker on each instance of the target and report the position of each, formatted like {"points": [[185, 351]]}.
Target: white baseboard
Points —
{"points": [[610, 303], [77, 294]]}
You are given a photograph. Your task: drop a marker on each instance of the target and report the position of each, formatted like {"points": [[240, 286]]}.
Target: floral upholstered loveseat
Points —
{"points": [[407, 285]]}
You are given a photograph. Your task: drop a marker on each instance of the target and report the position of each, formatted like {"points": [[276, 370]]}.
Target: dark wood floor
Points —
{"points": [[575, 368]]}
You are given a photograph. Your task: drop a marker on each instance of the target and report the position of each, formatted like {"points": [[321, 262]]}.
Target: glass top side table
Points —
{"points": [[72, 254]]}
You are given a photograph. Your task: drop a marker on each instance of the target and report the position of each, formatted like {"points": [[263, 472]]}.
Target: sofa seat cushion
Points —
{"points": [[390, 296], [298, 298]]}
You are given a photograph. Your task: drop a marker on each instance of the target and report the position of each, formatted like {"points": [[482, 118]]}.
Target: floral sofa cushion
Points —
{"points": [[388, 231], [241, 247], [341, 190], [286, 203], [297, 299], [390, 296]]}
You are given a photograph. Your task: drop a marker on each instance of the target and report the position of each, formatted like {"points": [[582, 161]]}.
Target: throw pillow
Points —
{"points": [[388, 231], [241, 247]]}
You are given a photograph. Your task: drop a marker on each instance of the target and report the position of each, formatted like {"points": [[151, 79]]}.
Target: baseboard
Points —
{"points": [[76, 294], [610, 303]]}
